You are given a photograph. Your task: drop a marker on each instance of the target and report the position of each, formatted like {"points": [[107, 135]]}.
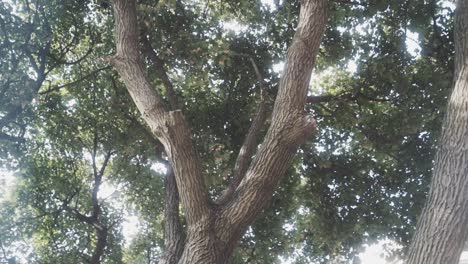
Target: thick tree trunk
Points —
{"points": [[443, 226], [213, 230]]}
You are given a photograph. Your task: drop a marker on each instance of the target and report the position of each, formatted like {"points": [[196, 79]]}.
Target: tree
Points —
{"points": [[363, 177], [213, 230], [442, 228]]}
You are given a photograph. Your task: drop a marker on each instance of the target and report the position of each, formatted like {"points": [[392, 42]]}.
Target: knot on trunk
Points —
{"points": [[300, 129]]}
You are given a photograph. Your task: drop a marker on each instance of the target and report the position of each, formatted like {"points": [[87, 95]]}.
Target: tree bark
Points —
{"points": [[443, 225], [101, 233], [250, 142], [173, 233], [168, 126], [213, 230], [290, 127]]}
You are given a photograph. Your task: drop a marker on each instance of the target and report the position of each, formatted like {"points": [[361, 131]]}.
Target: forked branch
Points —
{"points": [[289, 128], [169, 127]]}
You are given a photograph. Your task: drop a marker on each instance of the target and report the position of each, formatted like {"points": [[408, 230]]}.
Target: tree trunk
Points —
{"points": [[443, 226], [101, 244], [213, 230]]}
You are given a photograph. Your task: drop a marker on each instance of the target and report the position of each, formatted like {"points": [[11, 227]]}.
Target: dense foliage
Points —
{"points": [[68, 128]]}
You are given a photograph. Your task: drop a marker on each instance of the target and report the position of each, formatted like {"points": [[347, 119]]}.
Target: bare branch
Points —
{"points": [[94, 153], [5, 136], [161, 71], [343, 97], [83, 218], [58, 87], [250, 142], [321, 98], [32, 61], [97, 185], [349, 2], [100, 229], [104, 163]]}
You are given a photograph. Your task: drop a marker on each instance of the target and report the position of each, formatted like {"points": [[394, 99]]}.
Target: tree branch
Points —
{"points": [[344, 97], [160, 71], [250, 142], [173, 232], [101, 233], [5, 136], [349, 2], [169, 127], [58, 87], [83, 218], [322, 98], [94, 219], [290, 127], [97, 184]]}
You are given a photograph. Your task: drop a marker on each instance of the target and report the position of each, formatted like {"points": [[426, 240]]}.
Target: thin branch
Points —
{"points": [[349, 2], [322, 98], [87, 53], [97, 182], [251, 255], [32, 61], [369, 98], [343, 97], [94, 152], [5, 136], [250, 142], [104, 164], [160, 70], [83, 218], [58, 87], [5, 256], [93, 220], [100, 229]]}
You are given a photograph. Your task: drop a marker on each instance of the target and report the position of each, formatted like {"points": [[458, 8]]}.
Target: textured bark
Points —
{"points": [[213, 230], [161, 71], [290, 127], [168, 126], [173, 233], [250, 142], [443, 225]]}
